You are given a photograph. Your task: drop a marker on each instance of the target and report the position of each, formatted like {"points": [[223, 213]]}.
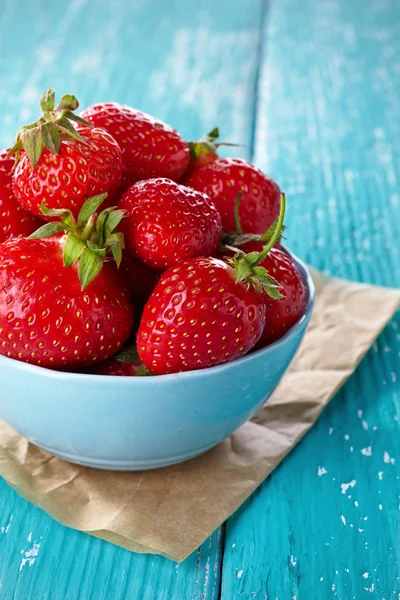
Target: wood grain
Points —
{"points": [[326, 523], [310, 89]]}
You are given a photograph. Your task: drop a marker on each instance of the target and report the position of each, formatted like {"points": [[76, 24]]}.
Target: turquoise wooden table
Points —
{"points": [[311, 90]]}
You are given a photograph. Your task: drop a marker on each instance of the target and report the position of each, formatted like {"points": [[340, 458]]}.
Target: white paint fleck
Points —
{"points": [[359, 414], [321, 578], [343, 519], [366, 575], [293, 561], [239, 574], [347, 570], [233, 545], [346, 436], [6, 528], [330, 431], [380, 506], [30, 556], [333, 587], [360, 530], [387, 459], [29, 538], [364, 425], [351, 449], [380, 475], [367, 451], [321, 471], [374, 428], [371, 589], [345, 486], [355, 503]]}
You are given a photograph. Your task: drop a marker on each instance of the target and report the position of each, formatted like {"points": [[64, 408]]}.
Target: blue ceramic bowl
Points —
{"points": [[134, 423]]}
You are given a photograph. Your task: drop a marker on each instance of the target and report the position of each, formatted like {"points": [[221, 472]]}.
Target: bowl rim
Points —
{"points": [[159, 379]]}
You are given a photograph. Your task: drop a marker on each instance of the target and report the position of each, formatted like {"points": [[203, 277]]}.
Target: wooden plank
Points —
{"points": [[194, 65], [42, 559], [326, 522]]}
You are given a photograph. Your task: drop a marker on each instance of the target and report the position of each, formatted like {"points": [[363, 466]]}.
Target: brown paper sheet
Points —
{"points": [[172, 511]]}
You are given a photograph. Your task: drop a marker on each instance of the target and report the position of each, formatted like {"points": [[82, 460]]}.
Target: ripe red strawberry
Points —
{"points": [[197, 317], [224, 178], [283, 313], [14, 220], [204, 312], [57, 317], [59, 165], [150, 147], [126, 363], [168, 222]]}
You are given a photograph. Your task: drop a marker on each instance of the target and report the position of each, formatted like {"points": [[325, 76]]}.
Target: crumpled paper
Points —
{"points": [[171, 511]]}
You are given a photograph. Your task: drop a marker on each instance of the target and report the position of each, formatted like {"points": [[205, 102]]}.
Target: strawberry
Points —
{"points": [[222, 179], [168, 222], [283, 313], [150, 147], [204, 312], [57, 317], [197, 317], [59, 165], [14, 220], [126, 363]]}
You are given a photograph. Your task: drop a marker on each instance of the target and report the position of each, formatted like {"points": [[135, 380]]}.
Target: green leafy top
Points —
{"points": [[207, 145], [238, 238], [246, 265], [90, 239], [129, 354], [50, 129]]}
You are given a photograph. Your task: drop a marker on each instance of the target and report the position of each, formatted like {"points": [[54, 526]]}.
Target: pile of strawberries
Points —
{"points": [[109, 265]]}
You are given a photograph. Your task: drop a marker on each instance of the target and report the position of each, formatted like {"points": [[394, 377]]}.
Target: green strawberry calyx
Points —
{"points": [[238, 238], [205, 145], [129, 354], [247, 265], [206, 149], [90, 239], [55, 124]]}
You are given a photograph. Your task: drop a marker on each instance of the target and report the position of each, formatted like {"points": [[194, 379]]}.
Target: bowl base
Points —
{"points": [[124, 465]]}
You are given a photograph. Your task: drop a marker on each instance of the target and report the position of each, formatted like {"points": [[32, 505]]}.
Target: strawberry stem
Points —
{"points": [[245, 265], [276, 233], [236, 206]]}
